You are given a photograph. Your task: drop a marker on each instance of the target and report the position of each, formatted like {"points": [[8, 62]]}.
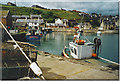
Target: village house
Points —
{"points": [[72, 23], [25, 21], [108, 25], [94, 15], [117, 23], [33, 20], [3, 33], [36, 6], [30, 22], [35, 16], [109, 22], [59, 23], [6, 18], [22, 24], [15, 17], [85, 25], [11, 4]]}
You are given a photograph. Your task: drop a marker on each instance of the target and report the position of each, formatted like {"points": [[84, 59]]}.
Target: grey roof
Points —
{"points": [[19, 16], [24, 15], [54, 24], [107, 22], [20, 24], [65, 20], [21, 20], [16, 16], [35, 15], [30, 20]]}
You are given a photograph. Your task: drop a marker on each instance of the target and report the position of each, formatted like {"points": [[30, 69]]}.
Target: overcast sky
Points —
{"points": [[106, 7]]}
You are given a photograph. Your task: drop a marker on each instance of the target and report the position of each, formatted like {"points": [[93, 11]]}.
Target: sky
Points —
{"points": [[105, 7]]}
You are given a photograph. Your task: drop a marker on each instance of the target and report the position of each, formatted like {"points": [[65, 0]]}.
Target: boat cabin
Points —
{"points": [[81, 51]]}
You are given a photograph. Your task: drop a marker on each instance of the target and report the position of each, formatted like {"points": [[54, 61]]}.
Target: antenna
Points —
{"points": [[81, 22], [15, 16]]}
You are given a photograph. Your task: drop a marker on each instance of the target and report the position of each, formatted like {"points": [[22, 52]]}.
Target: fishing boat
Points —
{"points": [[34, 34], [81, 47]]}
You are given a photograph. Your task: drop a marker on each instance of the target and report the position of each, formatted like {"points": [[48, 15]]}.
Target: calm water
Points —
{"points": [[55, 42]]}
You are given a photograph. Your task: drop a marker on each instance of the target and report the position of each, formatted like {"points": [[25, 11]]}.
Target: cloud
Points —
{"points": [[103, 6], [88, 7], [59, 1]]}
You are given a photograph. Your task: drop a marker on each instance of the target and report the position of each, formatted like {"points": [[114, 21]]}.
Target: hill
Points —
{"points": [[48, 14]]}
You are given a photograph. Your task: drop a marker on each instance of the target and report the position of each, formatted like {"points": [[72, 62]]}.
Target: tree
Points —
{"points": [[94, 22]]}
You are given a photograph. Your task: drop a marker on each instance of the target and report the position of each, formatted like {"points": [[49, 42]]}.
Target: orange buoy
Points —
{"points": [[94, 55], [82, 41]]}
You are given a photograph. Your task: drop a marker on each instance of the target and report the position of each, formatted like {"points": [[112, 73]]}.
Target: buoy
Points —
{"points": [[94, 55], [99, 33], [80, 42]]}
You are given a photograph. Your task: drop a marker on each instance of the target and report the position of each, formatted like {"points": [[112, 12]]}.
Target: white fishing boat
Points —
{"points": [[81, 48]]}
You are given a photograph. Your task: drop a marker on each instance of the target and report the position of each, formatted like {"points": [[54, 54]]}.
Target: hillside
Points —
{"points": [[50, 15], [47, 14]]}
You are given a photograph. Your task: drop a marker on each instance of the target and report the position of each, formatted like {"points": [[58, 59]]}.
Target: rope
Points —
{"points": [[109, 61], [19, 47], [16, 44], [86, 38]]}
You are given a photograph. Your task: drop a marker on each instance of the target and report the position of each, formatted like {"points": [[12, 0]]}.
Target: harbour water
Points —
{"points": [[54, 43]]}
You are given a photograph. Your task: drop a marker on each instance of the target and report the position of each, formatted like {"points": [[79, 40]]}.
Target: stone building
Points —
{"points": [[108, 25], [6, 18]]}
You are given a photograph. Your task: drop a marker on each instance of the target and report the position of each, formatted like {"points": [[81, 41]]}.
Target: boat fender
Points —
{"points": [[95, 40], [99, 42]]}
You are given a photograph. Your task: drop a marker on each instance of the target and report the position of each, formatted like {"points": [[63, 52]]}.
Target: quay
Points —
{"points": [[58, 67]]}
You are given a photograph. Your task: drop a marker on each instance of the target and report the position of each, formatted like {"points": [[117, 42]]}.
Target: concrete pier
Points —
{"points": [[58, 67]]}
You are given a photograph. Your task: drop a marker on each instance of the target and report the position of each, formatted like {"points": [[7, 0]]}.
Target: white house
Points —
{"points": [[58, 21], [85, 25]]}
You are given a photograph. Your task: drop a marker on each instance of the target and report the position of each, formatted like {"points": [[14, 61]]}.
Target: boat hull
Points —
{"points": [[33, 37]]}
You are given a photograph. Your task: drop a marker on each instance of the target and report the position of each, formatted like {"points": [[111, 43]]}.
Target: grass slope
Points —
{"points": [[46, 13]]}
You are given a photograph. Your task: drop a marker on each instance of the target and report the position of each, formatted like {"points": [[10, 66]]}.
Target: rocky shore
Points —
{"points": [[58, 67]]}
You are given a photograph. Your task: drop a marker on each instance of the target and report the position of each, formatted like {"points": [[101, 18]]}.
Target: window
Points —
{"points": [[72, 50], [75, 51]]}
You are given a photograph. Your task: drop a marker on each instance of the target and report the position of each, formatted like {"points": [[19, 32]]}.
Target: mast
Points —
{"points": [[15, 17]]}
